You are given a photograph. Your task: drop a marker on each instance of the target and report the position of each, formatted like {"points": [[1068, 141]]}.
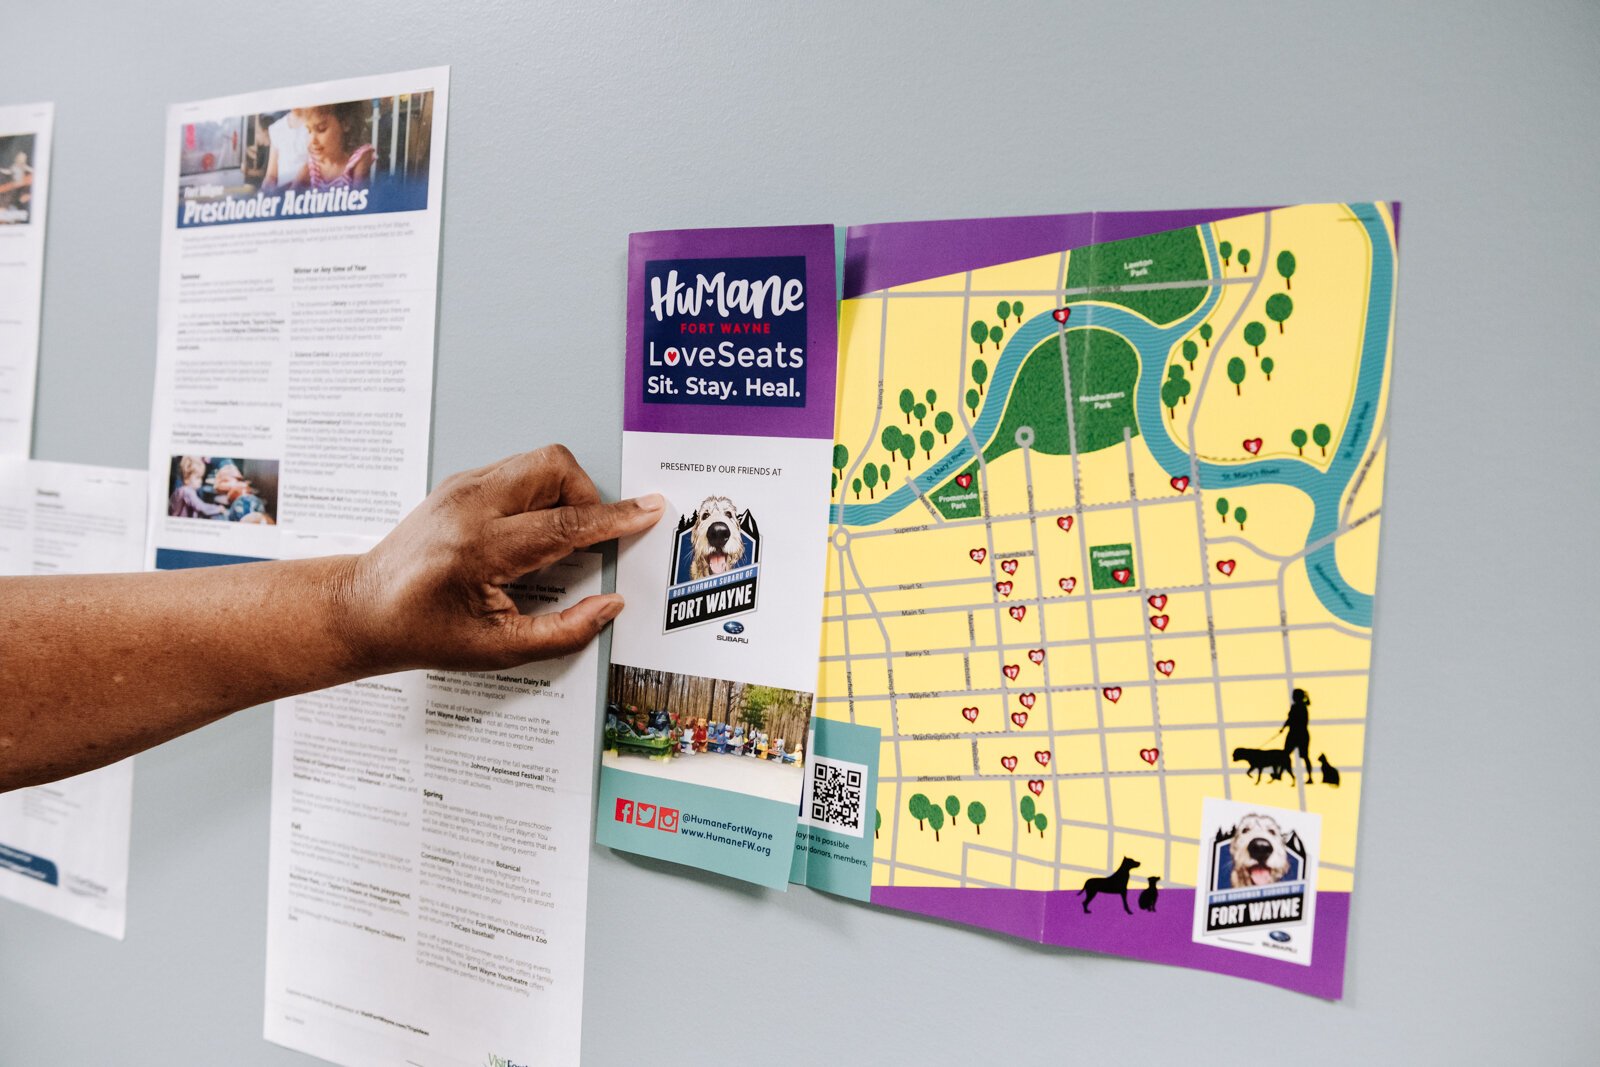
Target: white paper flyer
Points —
{"points": [[24, 189]]}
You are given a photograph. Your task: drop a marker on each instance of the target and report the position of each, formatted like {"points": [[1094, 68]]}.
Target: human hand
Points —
{"points": [[431, 593]]}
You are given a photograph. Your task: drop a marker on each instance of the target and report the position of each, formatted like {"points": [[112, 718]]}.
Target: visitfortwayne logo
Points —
{"points": [[647, 816], [726, 331]]}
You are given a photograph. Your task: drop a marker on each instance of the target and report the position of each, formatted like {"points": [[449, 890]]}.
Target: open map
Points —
{"points": [[1103, 549]]}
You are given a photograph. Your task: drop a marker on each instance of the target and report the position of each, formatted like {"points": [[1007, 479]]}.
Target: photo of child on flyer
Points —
{"points": [[707, 731], [16, 179], [347, 158], [223, 489]]}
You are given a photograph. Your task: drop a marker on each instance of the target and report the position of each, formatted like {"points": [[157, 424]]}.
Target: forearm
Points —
{"points": [[98, 667]]}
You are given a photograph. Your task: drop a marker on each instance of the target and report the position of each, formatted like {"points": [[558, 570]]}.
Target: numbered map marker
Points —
{"points": [[1252, 445], [1157, 600], [964, 481], [978, 554], [970, 714], [1036, 786], [1061, 314], [1068, 584], [1065, 522], [1180, 483], [1165, 666], [1003, 588], [1009, 566], [1150, 755], [1026, 700], [1019, 719], [1043, 756], [1018, 611], [1010, 671], [1121, 574], [1158, 621], [1036, 654], [1008, 762], [1225, 566], [1112, 693]]}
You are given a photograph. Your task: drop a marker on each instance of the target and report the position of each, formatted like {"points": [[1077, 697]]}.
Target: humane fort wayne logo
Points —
{"points": [[716, 562]]}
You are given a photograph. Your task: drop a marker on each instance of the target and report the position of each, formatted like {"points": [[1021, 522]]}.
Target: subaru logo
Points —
{"points": [[733, 627], [1280, 936]]}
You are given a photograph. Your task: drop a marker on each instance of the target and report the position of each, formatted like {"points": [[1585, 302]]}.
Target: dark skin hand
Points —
{"points": [[94, 668]]}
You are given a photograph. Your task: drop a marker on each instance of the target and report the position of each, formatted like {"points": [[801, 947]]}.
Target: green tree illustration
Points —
{"points": [[908, 448], [995, 334], [1225, 250], [1236, 375], [890, 440], [1191, 352], [1016, 310], [835, 488], [1170, 397], [925, 439], [1279, 307], [841, 458], [980, 333], [1267, 367], [1239, 515], [1041, 822], [1286, 268], [953, 806], [870, 476], [1222, 509], [855, 483], [1205, 333], [1322, 435], [877, 822], [1298, 439], [1184, 385], [980, 373], [976, 813], [1254, 334], [883, 476], [1026, 808], [936, 820], [1244, 259], [908, 402], [930, 396], [1175, 372], [1003, 310], [919, 808], [944, 422], [921, 412], [972, 401]]}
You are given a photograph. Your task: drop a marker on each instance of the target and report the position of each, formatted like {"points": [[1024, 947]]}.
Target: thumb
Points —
{"points": [[559, 633]]}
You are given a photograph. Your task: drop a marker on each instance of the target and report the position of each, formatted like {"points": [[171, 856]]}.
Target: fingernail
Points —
{"points": [[652, 502], [611, 609]]}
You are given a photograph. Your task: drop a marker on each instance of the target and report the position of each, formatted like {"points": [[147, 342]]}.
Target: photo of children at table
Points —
{"points": [[223, 489], [16, 179], [732, 735]]}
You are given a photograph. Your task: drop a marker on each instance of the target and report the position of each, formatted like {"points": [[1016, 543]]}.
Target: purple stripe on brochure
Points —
{"points": [[1165, 936], [887, 254], [815, 419]]}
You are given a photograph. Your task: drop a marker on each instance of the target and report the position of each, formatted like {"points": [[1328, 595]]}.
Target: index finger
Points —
{"points": [[535, 539], [542, 478]]}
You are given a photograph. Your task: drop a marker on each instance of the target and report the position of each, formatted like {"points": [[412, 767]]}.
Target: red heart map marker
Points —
{"points": [[1008, 762], [1061, 314], [1019, 719], [1065, 522], [1010, 671], [964, 480], [970, 714], [1003, 588], [1009, 566], [1113, 693], [1158, 621], [1036, 654], [1180, 483], [1253, 445], [1150, 755], [1165, 666], [1068, 584], [1036, 786], [1225, 566], [978, 554], [1026, 700], [1043, 756], [1157, 601], [1121, 574], [1018, 611]]}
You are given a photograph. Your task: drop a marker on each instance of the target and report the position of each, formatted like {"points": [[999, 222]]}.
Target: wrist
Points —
{"points": [[347, 601]]}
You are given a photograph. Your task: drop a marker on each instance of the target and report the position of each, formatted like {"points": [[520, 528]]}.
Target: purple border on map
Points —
{"points": [[1167, 936], [886, 254], [814, 420]]}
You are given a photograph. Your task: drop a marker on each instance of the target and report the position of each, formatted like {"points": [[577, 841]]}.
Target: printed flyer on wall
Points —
{"points": [[24, 191], [64, 846], [298, 285], [1101, 567], [728, 414], [430, 859]]}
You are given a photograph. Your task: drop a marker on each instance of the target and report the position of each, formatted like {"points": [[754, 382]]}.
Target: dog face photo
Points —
{"points": [[1258, 852], [717, 546]]}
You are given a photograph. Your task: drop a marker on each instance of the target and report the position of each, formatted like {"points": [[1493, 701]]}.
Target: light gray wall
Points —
{"points": [[1474, 931]]}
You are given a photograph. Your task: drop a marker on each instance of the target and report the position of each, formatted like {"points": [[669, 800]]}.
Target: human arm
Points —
{"points": [[94, 668]]}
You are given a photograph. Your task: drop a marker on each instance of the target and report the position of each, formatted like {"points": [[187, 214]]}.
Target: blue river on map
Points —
{"points": [[1325, 487]]}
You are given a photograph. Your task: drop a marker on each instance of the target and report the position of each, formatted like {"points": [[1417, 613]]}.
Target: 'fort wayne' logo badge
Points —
{"points": [[716, 561], [1257, 879]]}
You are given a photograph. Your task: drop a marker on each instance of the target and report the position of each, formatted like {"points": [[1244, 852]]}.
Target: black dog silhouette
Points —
{"points": [[1330, 773], [1275, 760], [1147, 895], [1115, 882]]}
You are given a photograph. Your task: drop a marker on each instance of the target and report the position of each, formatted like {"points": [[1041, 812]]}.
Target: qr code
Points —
{"points": [[835, 795]]}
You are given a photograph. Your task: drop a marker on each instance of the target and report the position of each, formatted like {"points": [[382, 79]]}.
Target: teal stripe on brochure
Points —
{"points": [[715, 829], [840, 861]]}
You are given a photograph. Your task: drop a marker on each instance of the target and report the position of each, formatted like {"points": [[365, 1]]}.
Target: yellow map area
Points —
{"points": [[1068, 602]]}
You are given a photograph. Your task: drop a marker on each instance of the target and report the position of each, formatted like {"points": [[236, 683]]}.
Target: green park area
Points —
{"points": [[957, 501], [1173, 256], [1104, 368], [1111, 566]]}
